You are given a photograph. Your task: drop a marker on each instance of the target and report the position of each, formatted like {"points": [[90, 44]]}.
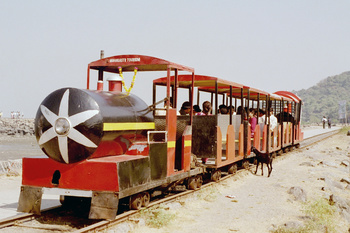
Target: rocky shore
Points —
{"points": [[16, 127]]}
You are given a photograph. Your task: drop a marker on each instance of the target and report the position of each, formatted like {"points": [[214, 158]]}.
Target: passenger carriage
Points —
{"points": [[224, 141]]}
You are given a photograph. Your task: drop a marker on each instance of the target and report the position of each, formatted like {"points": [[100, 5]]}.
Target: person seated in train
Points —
{"points": [[206, 109], [185, 108], [273, 120], [242, 111], [162, 112], [239, 110], [223, 109], [196, 109], [233, 110], [252, 120], [287, 117], [262, 117], [273, 124]]}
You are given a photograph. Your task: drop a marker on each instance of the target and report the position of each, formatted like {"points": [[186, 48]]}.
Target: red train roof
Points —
{"points": [[129, 62], [207, 84], [289, 95]]}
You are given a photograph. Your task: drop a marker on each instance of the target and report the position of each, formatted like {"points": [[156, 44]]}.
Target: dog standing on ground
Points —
{"points": [[263, 158]]}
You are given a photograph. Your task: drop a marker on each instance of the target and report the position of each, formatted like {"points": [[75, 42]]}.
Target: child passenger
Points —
{"points": [[206, 109]]}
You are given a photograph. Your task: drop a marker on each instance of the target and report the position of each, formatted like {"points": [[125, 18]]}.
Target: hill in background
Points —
{"points": [[323, 99]]}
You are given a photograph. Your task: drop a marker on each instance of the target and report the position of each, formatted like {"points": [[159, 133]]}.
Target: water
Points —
{"points": [[12, 148]]}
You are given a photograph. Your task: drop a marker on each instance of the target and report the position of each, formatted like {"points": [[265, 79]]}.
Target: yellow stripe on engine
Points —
{"points": [[128, 126], [188, 143], [171, 144]]}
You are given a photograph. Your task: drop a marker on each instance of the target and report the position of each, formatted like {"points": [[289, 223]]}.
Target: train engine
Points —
{"points": [[99, 146]]}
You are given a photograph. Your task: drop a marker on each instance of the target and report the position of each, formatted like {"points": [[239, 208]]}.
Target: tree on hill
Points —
{"points": [[323, 98]]}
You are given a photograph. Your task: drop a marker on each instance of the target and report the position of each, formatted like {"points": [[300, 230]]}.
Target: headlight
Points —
{"points": [[62, 126]]}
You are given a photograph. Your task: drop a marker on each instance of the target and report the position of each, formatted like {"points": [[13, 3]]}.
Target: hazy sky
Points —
{"points": [[267, 44]]}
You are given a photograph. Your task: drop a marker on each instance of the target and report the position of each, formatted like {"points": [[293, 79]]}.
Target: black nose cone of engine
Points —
{"points": [[68, 125]]}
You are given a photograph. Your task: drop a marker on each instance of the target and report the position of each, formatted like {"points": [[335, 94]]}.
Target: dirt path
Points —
{"points": [[255, 203]]}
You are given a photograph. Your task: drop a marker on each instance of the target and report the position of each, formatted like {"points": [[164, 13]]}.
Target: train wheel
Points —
{"points": [[232, 169], [246, 164], [216, 175], [192, 183], [135, 202], [199, 181], [297, 146], [146, 198]]}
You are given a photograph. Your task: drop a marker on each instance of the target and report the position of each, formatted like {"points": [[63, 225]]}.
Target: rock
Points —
{"points": [[333, 184], [298, 193], [173, 205], [309, 164], [329, 164], [293, 225], [346, 180], [18, 127], [345, 163], [346, 216], [348, 133]]}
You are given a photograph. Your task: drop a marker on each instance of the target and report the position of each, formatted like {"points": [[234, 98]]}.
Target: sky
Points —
{"points": [[271, 45]]}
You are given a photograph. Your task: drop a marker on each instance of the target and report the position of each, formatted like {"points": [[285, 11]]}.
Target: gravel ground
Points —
{"points": [[255, 203]]}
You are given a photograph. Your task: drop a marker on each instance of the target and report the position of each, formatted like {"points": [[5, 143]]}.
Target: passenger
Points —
{"points": [[273, 120], [261, 117], [324, 120], [239, 110], [233, 110], [206, 109], [162, 112], [329, 123], [185, 108], [243, 111], [252, 121], [196, 109], [273, 124], [287, 117], [223, 109]]}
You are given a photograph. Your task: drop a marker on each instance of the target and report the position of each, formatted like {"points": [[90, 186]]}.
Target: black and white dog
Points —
{"points": [[263, 158]]}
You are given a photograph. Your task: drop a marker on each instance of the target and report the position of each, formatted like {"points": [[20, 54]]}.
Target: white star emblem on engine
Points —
{"points": [[63, 126]]}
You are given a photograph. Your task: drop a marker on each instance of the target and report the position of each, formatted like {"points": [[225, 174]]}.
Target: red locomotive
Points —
{"points": [[109, 145]]}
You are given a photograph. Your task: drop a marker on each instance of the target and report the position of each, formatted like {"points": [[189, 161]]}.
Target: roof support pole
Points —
{"points": [[216, 98], [268, 123], [154, 94], [192, 95], [231, 113], [258, 110], [88, 78], [176, 85]]}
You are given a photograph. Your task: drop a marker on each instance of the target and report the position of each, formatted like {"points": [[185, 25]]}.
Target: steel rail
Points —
{"points": [[22, 217]]}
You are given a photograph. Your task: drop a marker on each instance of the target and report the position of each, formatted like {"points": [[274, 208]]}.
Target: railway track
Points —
{"points": [[86, 225]]}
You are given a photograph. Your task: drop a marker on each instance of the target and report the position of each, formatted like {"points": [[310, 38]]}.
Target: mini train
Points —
{"points": [[111, 147]]}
